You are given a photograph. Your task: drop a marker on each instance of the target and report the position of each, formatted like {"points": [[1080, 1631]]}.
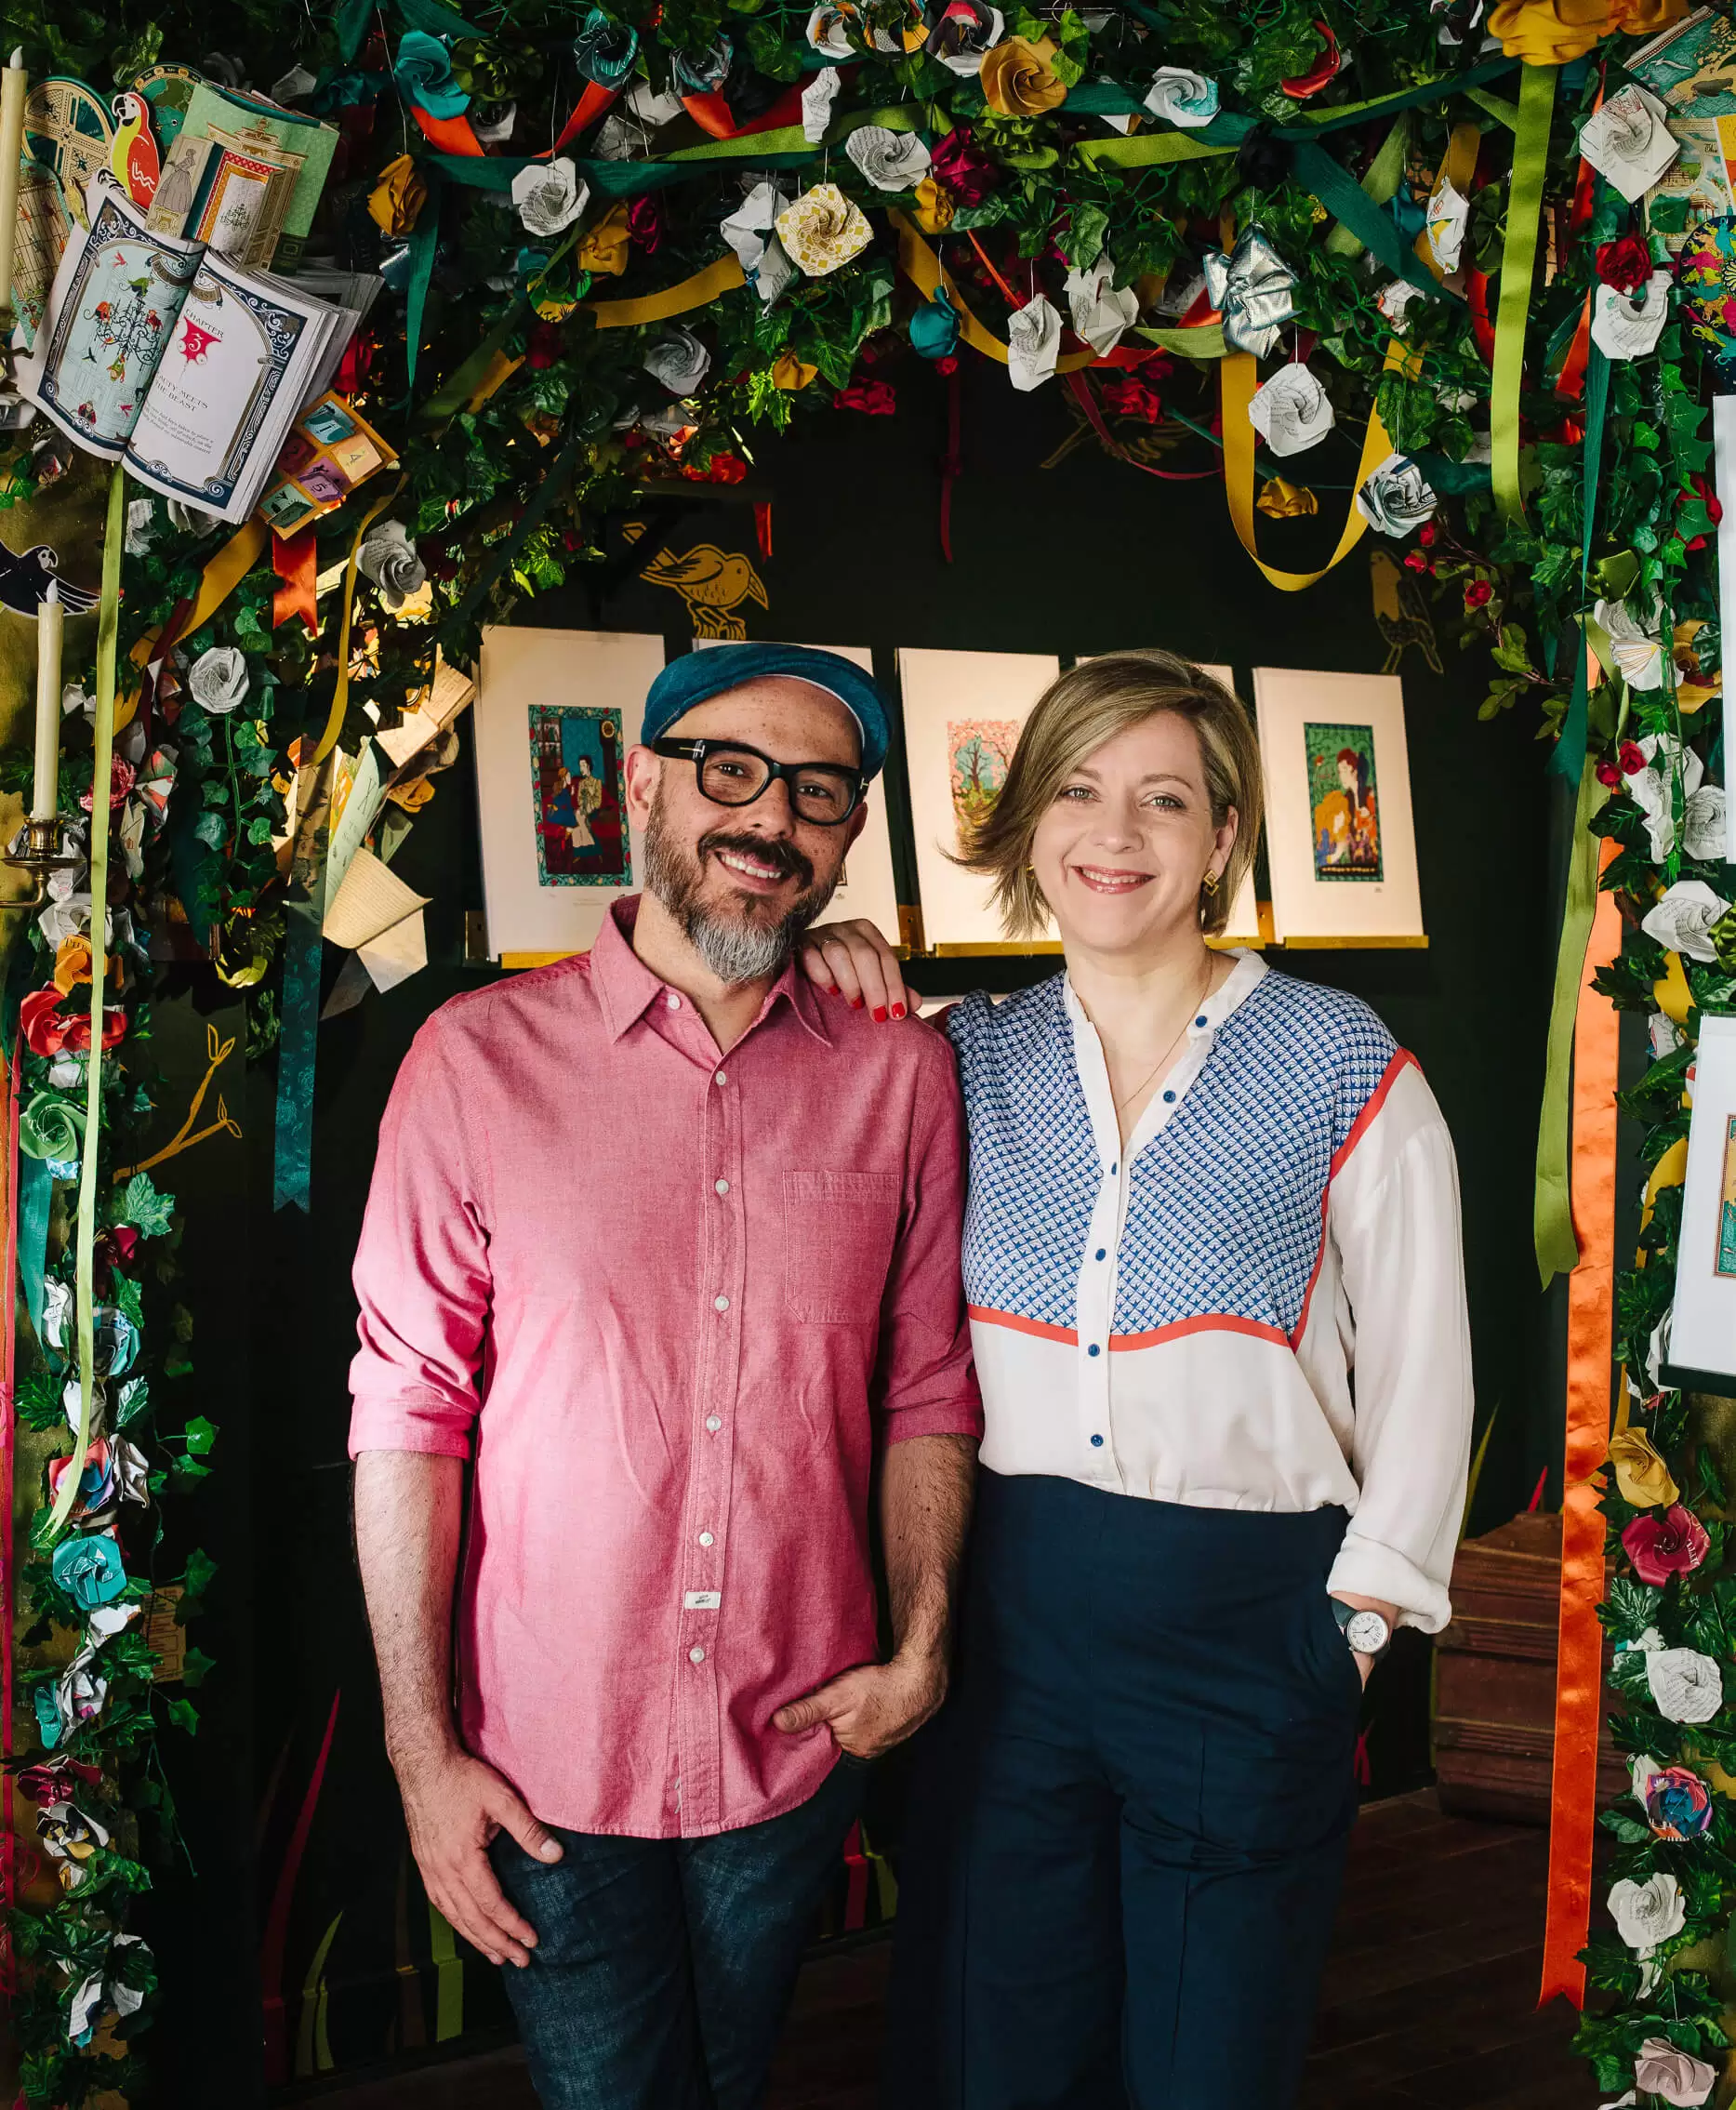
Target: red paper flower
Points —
{"points": [[122, 777], [544, 346], [1626, 264], [644, 224], [1479, 594], [48, 1033], [963, 168], [1425, 534], [1128, 395], [1678, 1803], [947, 365], [1610, 774], [1631, 758], [877, 398], [1660, 1547], [721, 469], [357, 362]]}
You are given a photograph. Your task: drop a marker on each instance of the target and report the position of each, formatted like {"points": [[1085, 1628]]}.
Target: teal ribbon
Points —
{"points": [[1348, 203], [293, 1173], [35, 1195], [436, 19], [424, 241]]}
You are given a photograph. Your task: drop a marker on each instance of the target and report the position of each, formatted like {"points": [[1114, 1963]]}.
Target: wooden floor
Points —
{"points": [[1428, 2002]]}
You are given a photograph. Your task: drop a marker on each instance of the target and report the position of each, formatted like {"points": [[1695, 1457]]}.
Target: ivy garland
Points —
{"points": [[522, 428]]}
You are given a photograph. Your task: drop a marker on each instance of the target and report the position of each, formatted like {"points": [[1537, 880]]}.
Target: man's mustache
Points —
{"points": [[775, 851]]}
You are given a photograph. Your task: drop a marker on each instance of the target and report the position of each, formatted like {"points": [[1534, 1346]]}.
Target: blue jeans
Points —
{"points": [[663, 1967]]}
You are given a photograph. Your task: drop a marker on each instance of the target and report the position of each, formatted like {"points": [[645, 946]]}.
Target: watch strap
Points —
{"points": [[1344, 1614]]}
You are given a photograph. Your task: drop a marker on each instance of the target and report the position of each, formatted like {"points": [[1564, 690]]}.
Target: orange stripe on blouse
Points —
{"points": [[1402, 1059], [1014, 1323], [1207, 1323]]}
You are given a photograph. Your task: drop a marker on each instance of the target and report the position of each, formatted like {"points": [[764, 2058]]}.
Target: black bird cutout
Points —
{"points": [[24, 582]]}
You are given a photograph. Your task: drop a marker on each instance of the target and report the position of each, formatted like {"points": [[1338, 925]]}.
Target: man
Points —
{"points": [[667, 1244]]}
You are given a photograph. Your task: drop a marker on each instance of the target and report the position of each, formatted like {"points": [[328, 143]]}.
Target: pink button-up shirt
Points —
{"points": [[669, 1300]]}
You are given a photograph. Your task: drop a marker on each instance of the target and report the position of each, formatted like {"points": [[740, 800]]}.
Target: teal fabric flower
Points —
{"points": [[89, 1570], [934, 327], [424, 73]]}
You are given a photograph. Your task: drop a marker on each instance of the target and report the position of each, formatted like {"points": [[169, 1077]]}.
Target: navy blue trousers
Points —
{"points": [[1128, 1821]]}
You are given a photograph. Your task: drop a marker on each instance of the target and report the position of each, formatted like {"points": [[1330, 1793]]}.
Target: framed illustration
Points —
{"points": [[556, 711], [1338, 829], [1701, 1355], [869, 887], [964, 712]]}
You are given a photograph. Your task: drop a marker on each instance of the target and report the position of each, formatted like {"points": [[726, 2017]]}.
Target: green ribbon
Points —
{"points": [[1351, 206], [1204, 342], [1379, 184], [1518, 258], [424, 241], [1552, 1207], [292, 1179], [1568, 759], [51, 1127], [1497, 106]]}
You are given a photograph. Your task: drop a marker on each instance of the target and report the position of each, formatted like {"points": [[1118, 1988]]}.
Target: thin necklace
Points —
{"points": [[1165, 1056]]}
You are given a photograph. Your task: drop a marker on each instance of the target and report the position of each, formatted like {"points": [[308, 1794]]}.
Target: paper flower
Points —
{"points": [[423, 72], [963, 31], [1396, 497], [89, 1570], [705, 74], [1682, 919], [49, 1032], [1661, 1544], [1546, 33], [1279, 500], [678, 360], [1393, 299], [395, 203], [389, 557], [1291, 412], [749, 228], [605, 49], [608, 242], [1676, 1801], [888, 160], [817, 103], [1649, 767], [1628, 141], [549, 195], [823, 230], [1639, 654], [1625, 264], [1686, 1686], [1640, 1473], [1017, 79], [964, 168], [1100, 312], [1627, 326], [1444, 224], [931, 206], [1253, 289], [218, 678], [1679, 2079], [1703, 825], [51, 1126], [1181, 98], [829, 31], [1648, 1912], [934, 327], [876, 398], [1033, 344]]}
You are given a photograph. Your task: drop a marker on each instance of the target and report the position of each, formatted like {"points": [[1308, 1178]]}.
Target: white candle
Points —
{"points": [[14, 80], [50, 628]]}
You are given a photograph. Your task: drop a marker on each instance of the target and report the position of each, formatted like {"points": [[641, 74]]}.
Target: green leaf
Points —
{"points": [[196, 1665], [142, 1205], [183, 1714], [201, 1436]]}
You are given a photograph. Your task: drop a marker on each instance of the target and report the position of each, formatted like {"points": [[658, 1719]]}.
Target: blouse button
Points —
{"points": [[1093, 1349], [1169, 1099], [1201, 1020], [1097, 1444], [1103, 1252]]}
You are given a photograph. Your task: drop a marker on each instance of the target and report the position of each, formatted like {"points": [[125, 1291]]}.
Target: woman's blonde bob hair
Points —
{"points": [[1073, 717]]}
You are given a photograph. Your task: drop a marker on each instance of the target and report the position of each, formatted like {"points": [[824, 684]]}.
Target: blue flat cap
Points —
{"points": [[697, 677]]}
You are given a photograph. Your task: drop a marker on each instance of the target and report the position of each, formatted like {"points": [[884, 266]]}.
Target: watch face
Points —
{"points": [[1367, 1632]]}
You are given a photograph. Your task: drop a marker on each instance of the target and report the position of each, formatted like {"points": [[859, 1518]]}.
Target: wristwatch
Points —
{"points": [[1367, 1632]]}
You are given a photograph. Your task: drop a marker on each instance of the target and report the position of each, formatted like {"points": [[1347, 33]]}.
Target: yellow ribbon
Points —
{"points": [[696, 292], [1458, 166], [219, 580], [340, 694], [925, 272]]}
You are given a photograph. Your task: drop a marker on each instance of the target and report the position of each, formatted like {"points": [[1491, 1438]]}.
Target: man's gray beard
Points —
{"points": [[743, 948]]}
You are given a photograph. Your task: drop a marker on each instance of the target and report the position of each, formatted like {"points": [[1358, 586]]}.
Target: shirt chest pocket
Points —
{"points": [[839, 1230]]}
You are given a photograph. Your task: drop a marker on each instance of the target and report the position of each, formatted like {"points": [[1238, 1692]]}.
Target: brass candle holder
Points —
{"points": [[44, 851]]}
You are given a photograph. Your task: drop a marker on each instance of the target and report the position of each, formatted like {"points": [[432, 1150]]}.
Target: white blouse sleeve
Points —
{"points": [[1393, 1214]]}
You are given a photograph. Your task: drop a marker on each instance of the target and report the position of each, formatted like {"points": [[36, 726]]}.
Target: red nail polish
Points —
{"points": [[879, 1015], [897, 1011], [856, 1003]]}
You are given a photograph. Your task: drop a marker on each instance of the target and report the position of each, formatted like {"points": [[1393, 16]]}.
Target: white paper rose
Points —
{"points": [[1703, 825], [817, 103], [1685, 1685], [549, 195], [1393, 299], [1639, 654], [890, 161], [1681, 920], [1100, 310], [1653, 791], [1663, 1036], [829, 32], [678, 360], [1033, 344], [1181, 98], [1291, 412], [1629, 142], [1444, 224], [1648, 1912], [1627, 326], [218, 678], [1663, 2069], [389, 557], [1396, 497]]}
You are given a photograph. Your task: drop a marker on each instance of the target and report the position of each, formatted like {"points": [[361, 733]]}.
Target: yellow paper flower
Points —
{"points": [[1017, 81], [823, 230], [789, 372], [1279, 500], [395, 203], [71, 963], [931, 206], [1547, 33], [604, 248], [1641, 1475]]}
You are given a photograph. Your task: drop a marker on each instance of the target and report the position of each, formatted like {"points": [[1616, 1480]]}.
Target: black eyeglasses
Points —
{"points": [[731, 774]]}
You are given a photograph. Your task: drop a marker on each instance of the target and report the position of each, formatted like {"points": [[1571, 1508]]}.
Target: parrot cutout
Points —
{"points": [[133, 152]]}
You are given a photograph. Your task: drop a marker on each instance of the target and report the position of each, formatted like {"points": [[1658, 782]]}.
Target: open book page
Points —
{"points": [[253, 173], [229, 389], [116, 298]]}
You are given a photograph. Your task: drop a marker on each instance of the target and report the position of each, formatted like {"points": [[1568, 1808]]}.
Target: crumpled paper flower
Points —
{"points": [[218, 678], [817, 103], [549, 195], [1663, 2069], [1647, 767], [1686, 1686], [1396, 497], [964, 168], [1546, 33], [1101, 313], [608, 242], [89, 1569], [934, 327], [931, 206], [76, 1696], [1648, 1912], [1639, 654], [1279, 500], [704, 75], [678, 360], [389, 558], [1703, 825], [749, 229], [1625, 264], [72, 962], [888, 161], [1681, 921], [1393, 299], [395, 203], [830, 30], [823, 230], [1033, 344], [48, 1032], [423, 72], [789, 372], [1253, 289], [1627, 326], [605, 49], [51, 1126], [1664, 1543], [1444, 224], [1676, 1801], [963, 31], [1181, 98], [121, 775], [877, 398], [1291, 412], [101, 1990], [1644, 1478], [1628, 141], [1018, 81]]}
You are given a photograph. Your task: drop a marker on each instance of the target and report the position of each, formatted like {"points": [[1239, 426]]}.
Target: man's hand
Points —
{"points": [[455, 1805], [874, 1706]]}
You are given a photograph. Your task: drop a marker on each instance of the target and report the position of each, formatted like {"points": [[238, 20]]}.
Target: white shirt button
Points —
{"points": [[720, 1303], [722, 1187], [696, 1655], [706, 1539], [723, 1076], [673, 1001], [713, 1423]]}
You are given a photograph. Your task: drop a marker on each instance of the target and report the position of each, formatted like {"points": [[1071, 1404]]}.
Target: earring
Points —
{"points": [[1210, 882]]}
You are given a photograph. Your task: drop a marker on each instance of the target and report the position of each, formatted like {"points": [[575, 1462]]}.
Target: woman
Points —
{"points": [[1200, 1191]]}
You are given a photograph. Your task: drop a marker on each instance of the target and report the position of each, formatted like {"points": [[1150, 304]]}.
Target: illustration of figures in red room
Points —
{"points": [[1342, 800], [575, 769]]}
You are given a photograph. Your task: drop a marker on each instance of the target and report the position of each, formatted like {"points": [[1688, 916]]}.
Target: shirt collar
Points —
{"points": [[626, 987], [1242, 981]]}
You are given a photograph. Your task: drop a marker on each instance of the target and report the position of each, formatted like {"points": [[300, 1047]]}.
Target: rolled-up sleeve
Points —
{"points": [[924, 1383], [421, 1270], [1394, 1215]]}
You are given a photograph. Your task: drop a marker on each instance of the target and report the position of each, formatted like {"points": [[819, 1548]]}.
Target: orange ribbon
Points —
{"points": [[451, 135], [1578, 1663], [296, 562]]}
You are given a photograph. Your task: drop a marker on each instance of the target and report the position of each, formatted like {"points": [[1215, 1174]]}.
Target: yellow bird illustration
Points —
{"points": [[714, 582]]}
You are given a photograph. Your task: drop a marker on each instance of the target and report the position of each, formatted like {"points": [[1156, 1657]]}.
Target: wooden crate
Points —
{"points": [[1495, 1678]]}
